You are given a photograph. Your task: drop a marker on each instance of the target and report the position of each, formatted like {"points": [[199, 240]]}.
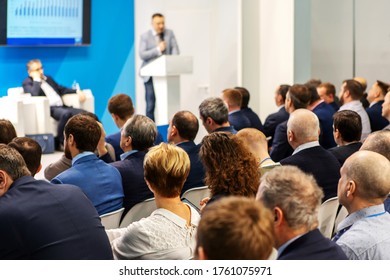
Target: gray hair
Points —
{"points": [[214, 108], [295, 193], [304, 124], [379, 142], [142, 130], [12, 162]]}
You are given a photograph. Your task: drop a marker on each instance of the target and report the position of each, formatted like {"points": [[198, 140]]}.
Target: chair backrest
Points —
{"points": [[195, 195], [112, 219], [137, 212], [327, 216]]}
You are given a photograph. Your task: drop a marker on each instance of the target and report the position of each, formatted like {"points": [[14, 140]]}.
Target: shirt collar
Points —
{"points": [[305, 146], [81, 155], [126, 154], [362, 213], [233, 111], [284, 246]]}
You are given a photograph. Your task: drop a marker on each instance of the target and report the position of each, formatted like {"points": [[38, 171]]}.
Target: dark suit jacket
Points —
{"points": [[321, 164], [238, 120], [253, 118], [375, 114], [335, 106], [344, 152], [134, 185], [29, 86], [280, 147], [312, 246], [196, 176], [41, 221], [272, 121], [325, 113], [226, 129]]}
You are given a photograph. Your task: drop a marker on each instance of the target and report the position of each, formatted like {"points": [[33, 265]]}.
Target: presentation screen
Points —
{"points": [[45, 22]]}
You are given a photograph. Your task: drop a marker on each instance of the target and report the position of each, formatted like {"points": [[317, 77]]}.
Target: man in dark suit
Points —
{"points": [[137, 136], [153, 44], [347, 133], [376, 97], [182, 131], [294, 197], [41, 221], [248, 112], [237, 118], [327, 92], [303, 129], [40, 85], [215, 115], [272, 121]]}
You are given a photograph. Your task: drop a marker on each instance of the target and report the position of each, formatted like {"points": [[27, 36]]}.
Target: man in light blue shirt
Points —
{"points": [[362, 189]]}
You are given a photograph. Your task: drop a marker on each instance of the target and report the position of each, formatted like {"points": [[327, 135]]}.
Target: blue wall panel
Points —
{"points": [[106, 66]]}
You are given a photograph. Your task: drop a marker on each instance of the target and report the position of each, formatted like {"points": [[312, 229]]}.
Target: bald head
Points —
{"points": [[379, 142], [255, 141], [370, 172], [303, 126]]}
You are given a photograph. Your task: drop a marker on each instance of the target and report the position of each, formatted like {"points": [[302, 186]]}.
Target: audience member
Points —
{"points": [[297, 97], [169, 232], [324, 112], [363, 187], [379, 142], [137, 136], [182, 131], [327, 92], [347, 133], [40, 85], [45, 222], [386, 110], [295, 198], [309, 156], [376, 97], [278, 117], [248, 112], [100, 182], [215, 115], [233, 100], [31, 152], [235, 228], [230, 168], [350, 94], [363, 82], [7, 131]]}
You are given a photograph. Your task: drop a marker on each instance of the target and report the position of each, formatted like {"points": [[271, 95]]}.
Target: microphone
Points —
{"points": [[162, 36]]}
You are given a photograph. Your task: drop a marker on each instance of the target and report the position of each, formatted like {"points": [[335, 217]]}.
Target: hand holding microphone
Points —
{"points": [[162, 45]]}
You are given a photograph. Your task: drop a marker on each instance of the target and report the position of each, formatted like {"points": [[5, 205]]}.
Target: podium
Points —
{"points": [[166, 71]]}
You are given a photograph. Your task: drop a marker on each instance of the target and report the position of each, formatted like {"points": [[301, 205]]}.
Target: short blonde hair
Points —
{"points": [[254, 139], [166, 168]]}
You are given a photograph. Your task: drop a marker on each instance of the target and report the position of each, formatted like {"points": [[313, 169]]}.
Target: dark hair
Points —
{"points": [[186, 124], [12, 162], [245, 96], [121, 105], [349, 124], [300, 96], [314, 82], [330, 89], [30, 150], [92, 115], [214, 108], [355, 89], [7, 131], [282, 90], [383, 86], [314, 96], [157, 15], [85, 130]]}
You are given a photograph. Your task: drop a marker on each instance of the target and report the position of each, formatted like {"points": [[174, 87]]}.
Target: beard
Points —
{"points": [[67, 152]]}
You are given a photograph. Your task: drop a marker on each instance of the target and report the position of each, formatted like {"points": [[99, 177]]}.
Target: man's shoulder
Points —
{"points": [[147, 34]]}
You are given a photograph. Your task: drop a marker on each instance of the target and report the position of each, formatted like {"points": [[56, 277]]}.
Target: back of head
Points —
{"points": [[166, 168], [300, 96], [85, 130], [295, 192], [379, 142], [254, 139], [142, 130], [330, 89], [186, 124], [314, 82], [314, 96], [214, 108], [232, 97], [362, 81], [12, 162], [245, 96], [236, 228], [384, 87], [355, 89], [305, 126], [229, 166], [282, 91], [349, 125], [121, 105], [7, 131], [370, 171], [30, 150]]}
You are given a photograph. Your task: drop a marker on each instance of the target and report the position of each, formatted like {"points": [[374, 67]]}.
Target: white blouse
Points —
{"points": [[162, 235]]}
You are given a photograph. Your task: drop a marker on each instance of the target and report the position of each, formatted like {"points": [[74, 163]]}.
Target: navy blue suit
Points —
{"points": [[321, 164], [272, 121], [325, 113], [335, 106], [238, 120], [226, 129], [45, 222], [280, 147], [253, 118], [134, 185], [100, 182], [312, 246], [375, 114], [196, 176], [344, 152]]}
